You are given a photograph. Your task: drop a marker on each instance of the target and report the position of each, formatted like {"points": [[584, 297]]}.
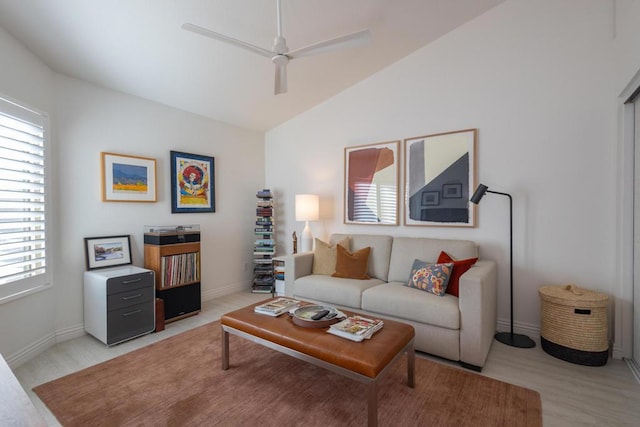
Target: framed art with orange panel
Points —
{"points": [[371, 184]]}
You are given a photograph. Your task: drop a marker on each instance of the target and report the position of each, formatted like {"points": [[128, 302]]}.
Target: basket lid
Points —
{"points": [[571, 294]]}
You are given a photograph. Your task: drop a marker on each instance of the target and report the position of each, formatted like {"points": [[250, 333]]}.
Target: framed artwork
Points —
{"points": [[107, 251], [440, 175], [371, 184], [128, 178], [192, 183]]}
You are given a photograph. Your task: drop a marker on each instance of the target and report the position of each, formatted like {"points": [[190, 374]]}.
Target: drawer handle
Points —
{"points": [[132, 312], [131, 297], [126, 282]]}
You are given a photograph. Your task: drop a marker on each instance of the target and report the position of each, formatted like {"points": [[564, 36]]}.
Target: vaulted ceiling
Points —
{"points": [[138, 47]]}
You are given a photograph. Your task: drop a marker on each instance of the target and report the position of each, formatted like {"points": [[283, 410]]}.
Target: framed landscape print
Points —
{"points": [[440, 174], [192, 183], [371, 184], [107, 251], [128, 178]]}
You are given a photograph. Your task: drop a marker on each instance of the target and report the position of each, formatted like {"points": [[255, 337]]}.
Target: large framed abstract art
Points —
{"points": [[371, 184], [192, 183], [440, 174]]}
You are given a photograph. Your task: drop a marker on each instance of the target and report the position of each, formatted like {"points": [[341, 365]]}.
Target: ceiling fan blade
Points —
{"points": [[280, 62], [356, 39], [221, 37]]}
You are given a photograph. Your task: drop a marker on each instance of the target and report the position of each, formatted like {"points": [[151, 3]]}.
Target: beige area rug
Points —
{"points": [[179, 382]]}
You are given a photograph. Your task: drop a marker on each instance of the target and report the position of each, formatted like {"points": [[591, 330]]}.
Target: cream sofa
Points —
{"points": [[456, 328]]}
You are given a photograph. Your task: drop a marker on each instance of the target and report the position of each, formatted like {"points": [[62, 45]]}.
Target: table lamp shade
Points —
{"points": [[307, 207]]}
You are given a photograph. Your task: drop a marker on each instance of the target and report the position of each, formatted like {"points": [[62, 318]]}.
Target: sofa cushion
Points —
{"points": [[352, 265], [325, 256], [432, 278], [406, 249], [333, 290], [459, 268], [380, 252], [395, 299]]}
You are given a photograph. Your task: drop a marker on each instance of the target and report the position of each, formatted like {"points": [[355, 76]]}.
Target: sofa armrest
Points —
{"points": [[295, 266], [478, 312]]}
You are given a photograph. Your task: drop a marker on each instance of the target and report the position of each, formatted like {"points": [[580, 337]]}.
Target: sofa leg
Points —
{"points": [[470, 366]]}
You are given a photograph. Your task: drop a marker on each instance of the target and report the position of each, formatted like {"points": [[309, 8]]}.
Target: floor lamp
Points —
{"points": [[509, 338], [307, 209]]}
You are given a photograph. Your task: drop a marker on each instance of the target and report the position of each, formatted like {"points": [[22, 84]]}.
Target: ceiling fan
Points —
{"points": [[280, 54]]}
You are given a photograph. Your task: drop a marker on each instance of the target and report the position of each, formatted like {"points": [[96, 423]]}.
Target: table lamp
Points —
{"points": [[307, 209]]}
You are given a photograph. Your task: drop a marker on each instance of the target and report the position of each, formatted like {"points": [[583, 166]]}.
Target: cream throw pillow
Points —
{"points": [[325, 256]]}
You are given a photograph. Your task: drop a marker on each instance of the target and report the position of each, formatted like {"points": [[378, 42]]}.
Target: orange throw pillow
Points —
{"points": [[352, 265], [459, 268]]}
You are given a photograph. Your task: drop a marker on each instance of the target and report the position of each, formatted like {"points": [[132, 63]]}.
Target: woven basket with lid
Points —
{"points": [[574, 324]]}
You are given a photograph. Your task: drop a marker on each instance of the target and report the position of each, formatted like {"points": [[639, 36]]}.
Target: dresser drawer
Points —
{"points": [[129, 282], [130, 297], [130, 322]]}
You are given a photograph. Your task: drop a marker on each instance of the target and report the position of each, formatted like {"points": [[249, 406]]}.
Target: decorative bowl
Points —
{"points": [[302, 316]]}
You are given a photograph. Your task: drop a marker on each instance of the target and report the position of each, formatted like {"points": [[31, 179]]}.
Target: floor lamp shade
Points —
{"points": [[307, 209], [509, 338]]}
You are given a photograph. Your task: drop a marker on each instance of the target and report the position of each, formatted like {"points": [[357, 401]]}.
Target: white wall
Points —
{"points": [[538, 81], [86, 120], [90, 120]]}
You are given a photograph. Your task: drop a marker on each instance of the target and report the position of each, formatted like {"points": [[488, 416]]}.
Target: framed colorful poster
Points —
{"points": [[107, 251], [192, 183], [371, 184], [128, 178], [440, 174]]}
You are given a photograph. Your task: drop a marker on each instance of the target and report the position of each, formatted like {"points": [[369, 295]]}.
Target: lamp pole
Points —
{"points": [[508, 338]]}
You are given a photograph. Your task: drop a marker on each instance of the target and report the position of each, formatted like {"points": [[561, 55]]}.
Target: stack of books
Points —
{"points": [[276, 307], [356, 328]]}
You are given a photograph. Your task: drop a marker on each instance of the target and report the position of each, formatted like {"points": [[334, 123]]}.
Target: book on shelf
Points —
{"points": [[356, 328], [276, 307], [265, 242]]}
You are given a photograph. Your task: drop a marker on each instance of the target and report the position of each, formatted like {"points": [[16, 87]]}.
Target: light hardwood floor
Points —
{"points": [[572, 395]]}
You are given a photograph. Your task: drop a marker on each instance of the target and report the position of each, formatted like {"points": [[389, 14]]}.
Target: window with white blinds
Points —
{"points": [[23, 225]]}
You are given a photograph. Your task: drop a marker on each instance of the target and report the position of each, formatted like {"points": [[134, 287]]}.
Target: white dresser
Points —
{"points": [[119, 303]]}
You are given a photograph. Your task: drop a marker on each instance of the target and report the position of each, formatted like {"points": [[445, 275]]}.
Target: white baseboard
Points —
{"points": [[633, 366], [70, 333], [220, 292], [532, 331], [43, 344], [31, 351]]}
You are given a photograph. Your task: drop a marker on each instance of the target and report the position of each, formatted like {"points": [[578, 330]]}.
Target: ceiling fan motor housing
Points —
{"points": [[280, 46]]}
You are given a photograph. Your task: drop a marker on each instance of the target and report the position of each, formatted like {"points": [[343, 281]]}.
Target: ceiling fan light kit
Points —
{"points": [[279, 53]]}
